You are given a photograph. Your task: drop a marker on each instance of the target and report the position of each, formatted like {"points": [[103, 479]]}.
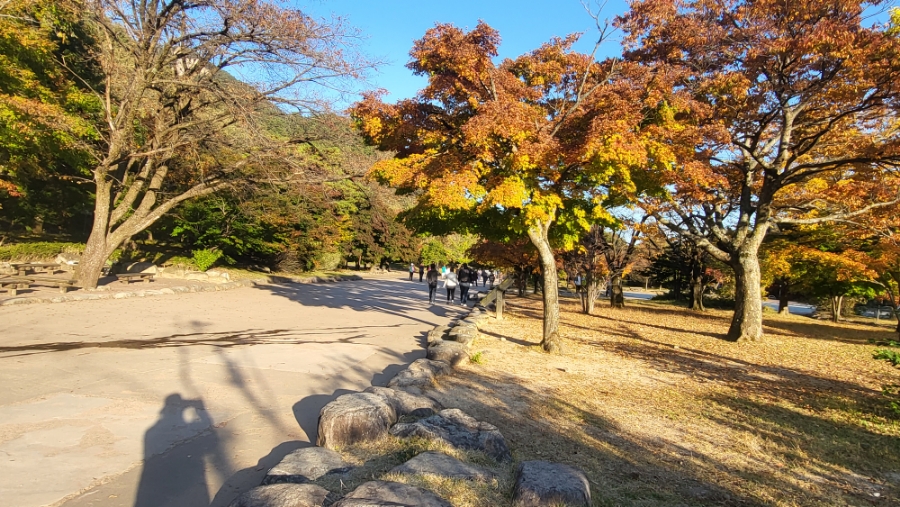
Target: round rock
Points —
{"points": [[545, 484], [437, 463], [420, 374], [459, 430], [453, 353], [391, 494], [306, 465], [284, 495], [406, 403], [438, 333], [355, 417]]}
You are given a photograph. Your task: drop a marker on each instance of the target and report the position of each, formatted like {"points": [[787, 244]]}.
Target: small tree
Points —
{"points": [[587, 260]]}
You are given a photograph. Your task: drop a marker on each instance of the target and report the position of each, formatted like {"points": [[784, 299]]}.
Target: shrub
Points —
{"points": [[179, 260], [477, 358], [204, 259], [38, 251]]}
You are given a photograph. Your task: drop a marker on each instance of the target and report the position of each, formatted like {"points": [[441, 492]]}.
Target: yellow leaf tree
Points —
{"points": [[549, 139]]}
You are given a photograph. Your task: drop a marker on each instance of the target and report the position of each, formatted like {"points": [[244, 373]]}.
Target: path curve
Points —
{"points": [[187, 400]]}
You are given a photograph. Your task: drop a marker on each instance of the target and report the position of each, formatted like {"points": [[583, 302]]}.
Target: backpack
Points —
{"points": [[463, 276]]}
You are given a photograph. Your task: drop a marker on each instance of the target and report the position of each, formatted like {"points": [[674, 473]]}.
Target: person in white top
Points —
{"points": [[450, 283]]}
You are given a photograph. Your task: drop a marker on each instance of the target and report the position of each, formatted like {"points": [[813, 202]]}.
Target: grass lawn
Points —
{"points": [[658, 409]]}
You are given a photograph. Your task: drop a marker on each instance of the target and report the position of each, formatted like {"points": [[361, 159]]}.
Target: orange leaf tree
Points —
{"points": [[797, 108], [548, 139]]}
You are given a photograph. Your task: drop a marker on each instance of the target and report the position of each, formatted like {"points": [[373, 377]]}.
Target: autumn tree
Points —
{"points": [[192, 94], [47, 114], [517, 256], [546, 139], [796, 107], [587, 260]]}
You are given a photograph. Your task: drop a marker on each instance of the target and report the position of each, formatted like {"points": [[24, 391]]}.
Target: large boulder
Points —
{"points": [[67, 260], [463, 334], [390, 494], [437, 463], [407, 403], [306, 465], [355, 417], [545, 484], [458, 429], [419, 375], [285, 495], [438, 333], [453, 353], [139, 267]]}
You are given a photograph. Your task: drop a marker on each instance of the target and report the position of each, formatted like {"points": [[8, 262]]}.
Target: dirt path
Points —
{"points": [[186, 400]]}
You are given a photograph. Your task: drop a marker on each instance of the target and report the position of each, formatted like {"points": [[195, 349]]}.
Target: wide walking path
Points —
{"points": [[186, 400]]}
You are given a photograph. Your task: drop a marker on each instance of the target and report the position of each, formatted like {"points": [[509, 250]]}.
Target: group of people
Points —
{"points": [[464, 278]]}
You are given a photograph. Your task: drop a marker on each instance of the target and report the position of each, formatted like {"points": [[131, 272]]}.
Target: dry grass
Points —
{"points": [[374, 461], [658, 409]]}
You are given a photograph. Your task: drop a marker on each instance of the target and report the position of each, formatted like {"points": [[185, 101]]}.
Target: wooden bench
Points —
{"points": [[135, 277], [35, 267], [13, 283], [64, 284]]}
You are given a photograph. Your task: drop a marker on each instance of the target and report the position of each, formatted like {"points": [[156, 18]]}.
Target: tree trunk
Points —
{"points": [[897, 315], [589, 291], [538, 234], [96, 250], [746, 324], [697, 294], [836, 302], [616, 295]]}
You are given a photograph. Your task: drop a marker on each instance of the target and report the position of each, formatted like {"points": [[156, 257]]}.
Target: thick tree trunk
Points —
{"points": [[746, 324], [616, 294], [697, 294], [95, 253], [539, 237]]}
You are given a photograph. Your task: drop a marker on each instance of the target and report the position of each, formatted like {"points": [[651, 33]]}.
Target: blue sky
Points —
{"points": [[391, 26]]}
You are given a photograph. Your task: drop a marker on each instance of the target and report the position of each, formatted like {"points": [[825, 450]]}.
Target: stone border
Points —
{"points": [[93, 296], [179, 289], [376, 412]]}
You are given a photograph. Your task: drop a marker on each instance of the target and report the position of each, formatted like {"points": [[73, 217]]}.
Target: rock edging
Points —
{"points": [[379, 411], [93, 296], [178, 289]]}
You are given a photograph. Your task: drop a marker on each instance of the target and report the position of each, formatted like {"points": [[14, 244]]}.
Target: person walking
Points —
{"points": [[484, 277], [421, 271], [491, 276], [432, 279], [465, 276], [450, 283], [412, 271]]}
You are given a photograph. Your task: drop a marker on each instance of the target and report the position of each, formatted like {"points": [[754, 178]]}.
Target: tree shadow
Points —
{"points": [[392, 297], [820, 460], [822, 330]]}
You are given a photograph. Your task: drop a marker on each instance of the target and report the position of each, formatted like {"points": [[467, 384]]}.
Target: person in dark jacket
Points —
{"points": [[421, 271], [465, 276], [432, 279]]}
